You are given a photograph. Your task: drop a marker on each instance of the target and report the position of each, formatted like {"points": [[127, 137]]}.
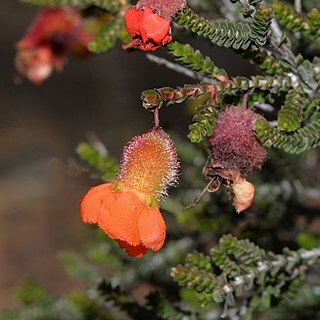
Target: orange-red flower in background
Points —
{"points": [[51, 35], [127, 209]]}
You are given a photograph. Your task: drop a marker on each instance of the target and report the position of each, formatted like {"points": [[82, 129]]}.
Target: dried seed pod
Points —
{"points": [[243, 192]]}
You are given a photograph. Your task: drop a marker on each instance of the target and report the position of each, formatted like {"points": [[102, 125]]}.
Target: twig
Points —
{"points": [[180, 69], [156, 118], [297, 5]]}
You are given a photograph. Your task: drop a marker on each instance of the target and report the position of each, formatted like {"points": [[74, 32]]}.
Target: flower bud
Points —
{"points": [[150, 163], [233, 144], [51, 35]]}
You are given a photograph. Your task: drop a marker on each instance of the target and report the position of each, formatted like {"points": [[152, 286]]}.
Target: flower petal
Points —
{"points": [[119, 216], [133, 18], [154, 27], [136, 42], [152, 228], [91, 202], [133, 251]]}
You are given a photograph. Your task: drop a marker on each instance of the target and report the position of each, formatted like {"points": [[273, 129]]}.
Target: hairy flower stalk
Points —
{"points": [[127, 208], [148, 23], [51, 35], [235, 152]]}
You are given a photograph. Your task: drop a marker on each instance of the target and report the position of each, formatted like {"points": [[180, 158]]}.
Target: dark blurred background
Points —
{"points": [[40, 127]]}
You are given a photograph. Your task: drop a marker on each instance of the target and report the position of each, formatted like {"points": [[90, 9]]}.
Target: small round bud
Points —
{"points": [[233, 144]]}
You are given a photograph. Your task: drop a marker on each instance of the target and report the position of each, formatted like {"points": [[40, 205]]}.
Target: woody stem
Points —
{"points": [[156, 118], [245, 101]]}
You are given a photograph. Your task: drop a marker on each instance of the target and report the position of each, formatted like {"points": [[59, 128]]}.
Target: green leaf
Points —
{"points": [[107, 37]]}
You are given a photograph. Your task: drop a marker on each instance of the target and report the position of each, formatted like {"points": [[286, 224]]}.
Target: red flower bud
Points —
{"points": [[147, 29], [127, 209], [235, 152]]}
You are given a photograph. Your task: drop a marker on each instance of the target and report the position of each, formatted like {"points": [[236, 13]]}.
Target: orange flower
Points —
{"points": [[124, 217], [127, 209]]}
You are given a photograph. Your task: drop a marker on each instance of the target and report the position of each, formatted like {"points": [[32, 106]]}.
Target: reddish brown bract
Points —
{"points": [[164, 8], [233, 144]]}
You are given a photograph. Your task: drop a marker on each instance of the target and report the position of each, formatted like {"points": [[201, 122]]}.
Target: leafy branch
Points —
{"points": [[226, 33], [107, 36], [308, 26], [291, 114], [157, 306], [301, 140], [242, 275], [104, 165], [203, 123], [155, 98]]}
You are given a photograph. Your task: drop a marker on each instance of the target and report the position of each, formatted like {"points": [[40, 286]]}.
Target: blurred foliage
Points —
{"points": [[106, 167]]}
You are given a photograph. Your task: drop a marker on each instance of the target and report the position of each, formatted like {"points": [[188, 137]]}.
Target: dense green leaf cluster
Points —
{"points": [[260, 25], [222, 33], [203, 123], [104, 165], [195, 60], [274, 85], [107, 36], [238, 272], [309, 26], [300, 140], [229, 34]]}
